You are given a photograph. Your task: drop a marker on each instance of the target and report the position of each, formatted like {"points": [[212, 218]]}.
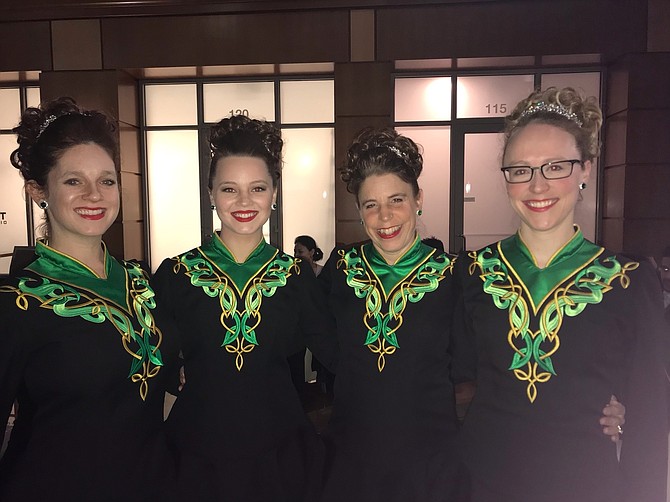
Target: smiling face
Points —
{"points": [[83, 195], [388, 207], [545, 207], [243, 194]]}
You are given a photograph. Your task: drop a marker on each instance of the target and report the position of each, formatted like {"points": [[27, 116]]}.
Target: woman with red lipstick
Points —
{"points": [[242, 307], [561, 324], [392, 433], [83, 348]]}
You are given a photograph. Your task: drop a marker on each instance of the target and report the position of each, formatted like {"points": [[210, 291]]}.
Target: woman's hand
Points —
{"points": [[614, 416]]}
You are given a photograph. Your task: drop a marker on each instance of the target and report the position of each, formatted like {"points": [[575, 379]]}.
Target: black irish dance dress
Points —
{"points": [[87, 360], [553, 345], [238, 425], [392, 436]]}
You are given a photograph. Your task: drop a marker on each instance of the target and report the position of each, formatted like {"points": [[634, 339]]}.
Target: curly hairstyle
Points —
{"points": [[241, 135], [46, 132], [310, 244], [584, 122], [381, 151]]}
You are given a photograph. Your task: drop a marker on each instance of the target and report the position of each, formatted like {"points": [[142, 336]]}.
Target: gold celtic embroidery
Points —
{"points": [[533, 348], [239, 325], [381, 326], [142, 344]]}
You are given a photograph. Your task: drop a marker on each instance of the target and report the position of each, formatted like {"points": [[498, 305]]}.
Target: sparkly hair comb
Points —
{"points": [[397, 152], [556, 108], [52, 118], [47, 122]]}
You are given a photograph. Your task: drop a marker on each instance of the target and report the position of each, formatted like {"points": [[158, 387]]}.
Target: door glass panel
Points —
{"points": [[586, 83], [255, 99], [307, 101], [434, 180], [487, 214], [182, 109], [10, 106], [422, 99], [493, 96], [308, 187], [174, 193], [13, 222]]}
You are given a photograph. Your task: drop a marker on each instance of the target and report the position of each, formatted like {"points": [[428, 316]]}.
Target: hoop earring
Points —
{"points": [[419, 212], [273, 206], [582, 185], [43, 205]]}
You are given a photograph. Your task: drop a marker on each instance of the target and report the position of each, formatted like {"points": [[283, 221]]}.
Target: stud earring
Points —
{"points": [[273, 206], [212, 207], [43, 205], [582, 185], [419, 212]]}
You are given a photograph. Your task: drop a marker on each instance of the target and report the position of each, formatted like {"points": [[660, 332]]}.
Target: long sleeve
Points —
{"points": [[644, 453], [316, 322]]}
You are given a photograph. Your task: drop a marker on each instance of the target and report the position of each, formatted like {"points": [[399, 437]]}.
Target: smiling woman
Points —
{"points": [[83, 348], [243, 307]]}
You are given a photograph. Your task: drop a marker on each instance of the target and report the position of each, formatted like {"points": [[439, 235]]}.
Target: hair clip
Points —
{"points": [[556, 108], [398, 153], [47, 122]]}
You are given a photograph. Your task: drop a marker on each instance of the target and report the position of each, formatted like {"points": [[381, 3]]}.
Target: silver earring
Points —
{"points": [[212, 207], [582, 185], [361, 222], [273, 206], [43, 205]]}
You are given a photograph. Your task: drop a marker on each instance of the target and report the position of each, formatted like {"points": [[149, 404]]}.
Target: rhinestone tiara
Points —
{"points": [[541, 106]]}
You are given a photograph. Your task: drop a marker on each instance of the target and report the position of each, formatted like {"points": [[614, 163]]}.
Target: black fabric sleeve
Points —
{"points": [[316, 322], [644, 453], [13, 352], [463, 346]]}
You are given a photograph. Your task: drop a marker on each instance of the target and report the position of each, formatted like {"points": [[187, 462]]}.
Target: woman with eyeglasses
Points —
{"points": [[561, 325]]}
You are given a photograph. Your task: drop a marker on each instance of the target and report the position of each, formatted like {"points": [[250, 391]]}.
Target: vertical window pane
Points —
{"points": [[422, 99], [33, 96], [586, 83], [487, 214], [174, 193], [490, 96], [308, 187], [307, 101], [255, 99], [169, 105], [434, 180], [13, 222], [10, 108]]}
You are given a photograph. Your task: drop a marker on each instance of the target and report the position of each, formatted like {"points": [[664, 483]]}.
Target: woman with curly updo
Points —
{"points": [[242, 307], [84, 350], [392, 433], [561, 325]]}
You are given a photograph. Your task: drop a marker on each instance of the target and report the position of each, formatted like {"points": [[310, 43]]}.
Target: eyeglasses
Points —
{"points": [[551, 171]]}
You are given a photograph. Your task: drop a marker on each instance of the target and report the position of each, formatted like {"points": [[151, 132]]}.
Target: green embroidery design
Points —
{"points": [[239, 325], [533, 348], [65, 301], [381, 326]]}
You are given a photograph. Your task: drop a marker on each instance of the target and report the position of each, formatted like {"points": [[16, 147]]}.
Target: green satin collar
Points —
{"points": [[390, 276], [539, 283], [60, 267], [240, 273]]}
